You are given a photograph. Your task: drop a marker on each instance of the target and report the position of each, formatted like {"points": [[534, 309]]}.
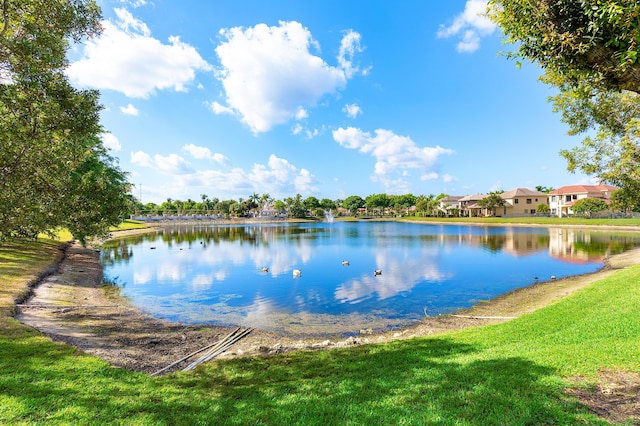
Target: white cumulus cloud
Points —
{"points": [[127, 59], [278, 177], [352, 110], [470, 26], [130, 110], [172, 164], [282, 176], [204, 153], [270, 74], [396, 156]]}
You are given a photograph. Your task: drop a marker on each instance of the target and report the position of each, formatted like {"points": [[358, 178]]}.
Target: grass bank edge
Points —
{"points": [[596, 317]]}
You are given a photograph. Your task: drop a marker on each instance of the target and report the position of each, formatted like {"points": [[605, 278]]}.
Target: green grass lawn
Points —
{"points": [[547, 221], [130, 224], [508, 374]]}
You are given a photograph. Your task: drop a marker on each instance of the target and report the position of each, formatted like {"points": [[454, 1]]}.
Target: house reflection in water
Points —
{"points": [[565, 244]]}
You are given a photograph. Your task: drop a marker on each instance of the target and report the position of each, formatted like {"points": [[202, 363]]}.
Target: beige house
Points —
{"points": [[521, 202], [561, 199], [468, 206], [517, 202]]}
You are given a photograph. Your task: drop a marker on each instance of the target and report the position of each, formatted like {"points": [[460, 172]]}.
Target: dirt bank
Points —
{"points": [[74, 306]]}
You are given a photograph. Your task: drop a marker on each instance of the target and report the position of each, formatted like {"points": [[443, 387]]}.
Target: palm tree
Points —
{"points": [[205, 201]]}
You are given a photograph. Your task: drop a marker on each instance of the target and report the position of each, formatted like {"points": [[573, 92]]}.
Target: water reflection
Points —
{"points": [[215, 274]]}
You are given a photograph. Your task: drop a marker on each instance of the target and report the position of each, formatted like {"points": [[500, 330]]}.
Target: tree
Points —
{"points": [[327, 204], [251, 204], [545, 189], [589, 51], [543, 208], [491, 202], [625, 201], [98, 197], [311, 203], [225, 206], [404, 202], [205, 201], [589, 206], [353, 203], [50, 150], [279, 206], [296, 207], [377, 202], [578, 40], [265, 200], [424, 203]]}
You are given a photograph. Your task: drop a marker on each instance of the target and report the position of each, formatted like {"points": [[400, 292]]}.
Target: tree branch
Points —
{"points": [[5, 17]]}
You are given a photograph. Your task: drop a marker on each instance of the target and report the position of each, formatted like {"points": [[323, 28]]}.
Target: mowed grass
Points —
{"points": [[513, 373], [130, 224]]}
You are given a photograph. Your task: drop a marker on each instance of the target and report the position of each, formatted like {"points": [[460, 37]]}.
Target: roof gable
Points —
{"points": [[474, 197], [582, 189], [522, 192]]}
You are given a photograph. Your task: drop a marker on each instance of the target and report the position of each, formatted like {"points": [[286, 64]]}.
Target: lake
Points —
{"points": [[244, 274]]}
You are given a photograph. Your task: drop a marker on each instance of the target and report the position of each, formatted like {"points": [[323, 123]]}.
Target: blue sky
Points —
{"points": [[320, 97]]}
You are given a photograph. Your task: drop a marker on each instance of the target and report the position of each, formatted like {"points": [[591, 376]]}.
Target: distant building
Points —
{"points": [[469, 205], [521, 202], [449, 205], [517, 202], [561, 199]]}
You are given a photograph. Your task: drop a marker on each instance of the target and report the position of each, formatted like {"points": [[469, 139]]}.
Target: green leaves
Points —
{"points": [[53, 168], [589, 51], [590, 39], [589, 206]]}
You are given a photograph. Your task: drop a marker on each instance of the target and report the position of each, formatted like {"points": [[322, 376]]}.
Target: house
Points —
{"points": [[521, 202], [468, 206], [517, 202], [449, 205], [561, 199]]}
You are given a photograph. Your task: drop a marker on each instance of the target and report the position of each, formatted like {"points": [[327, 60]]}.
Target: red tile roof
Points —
{"points": [[582, 189]]}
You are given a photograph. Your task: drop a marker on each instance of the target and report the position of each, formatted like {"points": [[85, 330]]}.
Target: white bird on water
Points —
{"points": [[345, 263], [297, 273], [377, 272]]}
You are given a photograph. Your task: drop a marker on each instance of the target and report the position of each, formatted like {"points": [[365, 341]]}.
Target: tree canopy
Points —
{"points": [[353, 203], [589, 52], [589, 205], [491, 202], [54, 170], [595, 40]]}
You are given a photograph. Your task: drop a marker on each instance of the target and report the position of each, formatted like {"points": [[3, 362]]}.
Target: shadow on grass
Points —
{"points": [[423, 381]]}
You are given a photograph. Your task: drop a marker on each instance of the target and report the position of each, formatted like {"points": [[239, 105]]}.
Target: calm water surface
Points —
{"points": [[214, 274]]}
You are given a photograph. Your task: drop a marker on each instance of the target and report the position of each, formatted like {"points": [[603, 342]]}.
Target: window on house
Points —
{"points": [[528, 200], [575, 196], [515, 201], [567, 198], [553, 198], [526, 211]]}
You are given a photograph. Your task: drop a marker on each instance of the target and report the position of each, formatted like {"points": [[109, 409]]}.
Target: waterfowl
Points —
{"points": [[345, 263], [264, 269], [297, 273], [377, 272]]}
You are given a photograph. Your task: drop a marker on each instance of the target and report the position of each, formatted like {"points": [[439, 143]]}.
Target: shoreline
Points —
{"points": [[73, 306]]}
